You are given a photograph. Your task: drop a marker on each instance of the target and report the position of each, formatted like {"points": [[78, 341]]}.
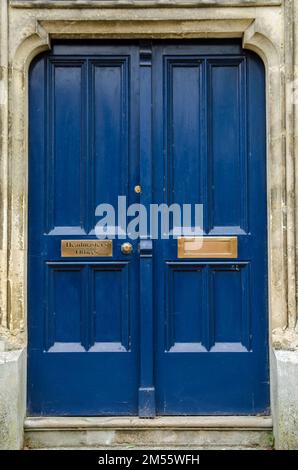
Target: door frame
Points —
{"points": [[252, 27]]}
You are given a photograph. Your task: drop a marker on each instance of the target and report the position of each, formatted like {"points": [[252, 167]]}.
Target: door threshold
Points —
{"points": [[175, 432], [164, 422]]}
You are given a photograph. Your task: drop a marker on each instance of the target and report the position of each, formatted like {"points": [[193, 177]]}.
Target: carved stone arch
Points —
{"points": [[30, 47], [256, 38]]}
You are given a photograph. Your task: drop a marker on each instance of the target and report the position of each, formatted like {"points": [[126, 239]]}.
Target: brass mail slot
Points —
{"points": [[208, 247], [86, 248]]}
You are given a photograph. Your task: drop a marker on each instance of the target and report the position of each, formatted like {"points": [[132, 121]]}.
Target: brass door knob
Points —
{"points": [[126, 248]]}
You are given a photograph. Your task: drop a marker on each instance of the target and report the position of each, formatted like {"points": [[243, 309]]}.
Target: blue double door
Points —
{"points": [[147, 332]]}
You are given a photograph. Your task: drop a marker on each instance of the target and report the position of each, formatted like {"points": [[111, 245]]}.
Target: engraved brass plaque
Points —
{"points": [[86, 248], [207, 247]]}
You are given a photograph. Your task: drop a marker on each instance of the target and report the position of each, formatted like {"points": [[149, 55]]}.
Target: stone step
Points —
{"points": [[191, 432]]}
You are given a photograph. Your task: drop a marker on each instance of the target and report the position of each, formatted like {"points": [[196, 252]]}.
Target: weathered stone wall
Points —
{"points": [[266, 26]]}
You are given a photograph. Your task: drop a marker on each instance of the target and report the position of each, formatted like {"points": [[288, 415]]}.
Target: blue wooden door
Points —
{"points": [[209, 146], [147, 332], [83, 341]]}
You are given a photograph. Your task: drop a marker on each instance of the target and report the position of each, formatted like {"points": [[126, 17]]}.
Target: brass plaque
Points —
{"points": [[207, 247], [86, 248]]}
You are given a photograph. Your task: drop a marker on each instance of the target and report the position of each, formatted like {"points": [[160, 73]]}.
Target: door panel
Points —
{"points": [[209, 148], [226, 151], [187, 122], [183, 122], [82, 311], [109, 99], [65, 140]]}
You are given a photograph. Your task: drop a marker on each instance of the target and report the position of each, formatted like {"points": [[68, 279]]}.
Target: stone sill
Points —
{"points": [[71, 4], [182, 422]]}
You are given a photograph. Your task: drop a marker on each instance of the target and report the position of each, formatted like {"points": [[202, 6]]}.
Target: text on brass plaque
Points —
{"points": [[86, 248], [207, 247]]}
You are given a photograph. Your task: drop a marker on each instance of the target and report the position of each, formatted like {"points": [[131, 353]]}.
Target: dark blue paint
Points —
{"points": [[147, 406], [83, 314], [209, 147], [147, 333]]}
